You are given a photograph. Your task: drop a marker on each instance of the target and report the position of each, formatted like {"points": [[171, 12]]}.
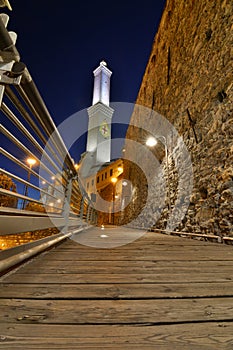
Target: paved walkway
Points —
{"points": [[157, 292]]}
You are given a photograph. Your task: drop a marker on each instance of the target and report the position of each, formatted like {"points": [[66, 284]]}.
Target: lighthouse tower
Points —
{"points": [[100, 117]]}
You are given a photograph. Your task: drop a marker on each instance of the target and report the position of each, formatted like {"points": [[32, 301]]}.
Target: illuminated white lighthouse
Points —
{"points": [[100, 116]]}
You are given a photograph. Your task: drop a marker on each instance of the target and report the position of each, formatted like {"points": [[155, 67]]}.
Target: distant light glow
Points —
{"points": [[120, 169], [103, 236], [113, 180], [31, 161], [124, 183], [151, 142]]}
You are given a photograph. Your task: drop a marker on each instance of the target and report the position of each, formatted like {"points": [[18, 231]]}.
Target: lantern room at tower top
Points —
{"points": [[101, 91]]}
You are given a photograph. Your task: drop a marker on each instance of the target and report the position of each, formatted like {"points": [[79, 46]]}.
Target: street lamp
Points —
{"points": [[151, 142], [30, 162], [76, 166], [114, 181]]}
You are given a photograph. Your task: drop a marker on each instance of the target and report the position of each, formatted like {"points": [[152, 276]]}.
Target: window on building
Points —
{"points": [[92, 182], [111, 172], [98, 179], [102, 177], [87, 185], [106, 175]]}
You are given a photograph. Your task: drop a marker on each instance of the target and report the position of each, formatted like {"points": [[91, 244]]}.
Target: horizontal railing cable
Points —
{"points": [[12, 97], [30, 94], [24, 166], [26, 198], [10, 115], [29, 184], [24, 148]]}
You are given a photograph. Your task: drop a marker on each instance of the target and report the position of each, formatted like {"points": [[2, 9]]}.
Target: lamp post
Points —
{"points": [[30, 162], [114, 181], [151, 142]]}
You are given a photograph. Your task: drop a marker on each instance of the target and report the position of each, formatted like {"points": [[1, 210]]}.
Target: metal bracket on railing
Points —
{"points": [[11, 69], [10, 74], [7, 77]]}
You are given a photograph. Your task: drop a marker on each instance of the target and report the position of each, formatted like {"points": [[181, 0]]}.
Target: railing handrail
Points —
{"points": [[53, 185]]}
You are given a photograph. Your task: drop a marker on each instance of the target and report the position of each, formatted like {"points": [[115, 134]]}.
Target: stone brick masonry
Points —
{"points": [[189, 80]]}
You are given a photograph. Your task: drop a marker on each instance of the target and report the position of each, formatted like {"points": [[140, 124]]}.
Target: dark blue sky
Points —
{"points": [[62, 42]]}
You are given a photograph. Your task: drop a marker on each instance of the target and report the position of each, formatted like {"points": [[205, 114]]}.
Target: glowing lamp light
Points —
{"points": [[76, 166], [120, 169], [113, 180], [31, 161], [151, 142]]}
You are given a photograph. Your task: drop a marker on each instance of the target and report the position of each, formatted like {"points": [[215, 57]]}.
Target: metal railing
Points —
{"points": [[39, 186]]}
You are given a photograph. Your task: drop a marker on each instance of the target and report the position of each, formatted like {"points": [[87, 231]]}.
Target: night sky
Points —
{"points": [[62, 42]]}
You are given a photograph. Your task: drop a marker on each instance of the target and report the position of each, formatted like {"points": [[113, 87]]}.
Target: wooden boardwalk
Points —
{"points": [[158, 292]]}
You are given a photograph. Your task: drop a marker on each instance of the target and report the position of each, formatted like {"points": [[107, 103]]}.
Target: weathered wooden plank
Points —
{"points": [[116, 291], [116, 311], [85, 240], [114, 268], [176, 242], [42, 262], [149, 250], [122, 232], [118, 278], [138, 292], [179, 243], [207, 336], [107, 254], [146, 241]]}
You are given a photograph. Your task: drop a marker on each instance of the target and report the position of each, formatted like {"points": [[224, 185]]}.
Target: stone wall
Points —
{"points": [[189, 81], [10, 241]]}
